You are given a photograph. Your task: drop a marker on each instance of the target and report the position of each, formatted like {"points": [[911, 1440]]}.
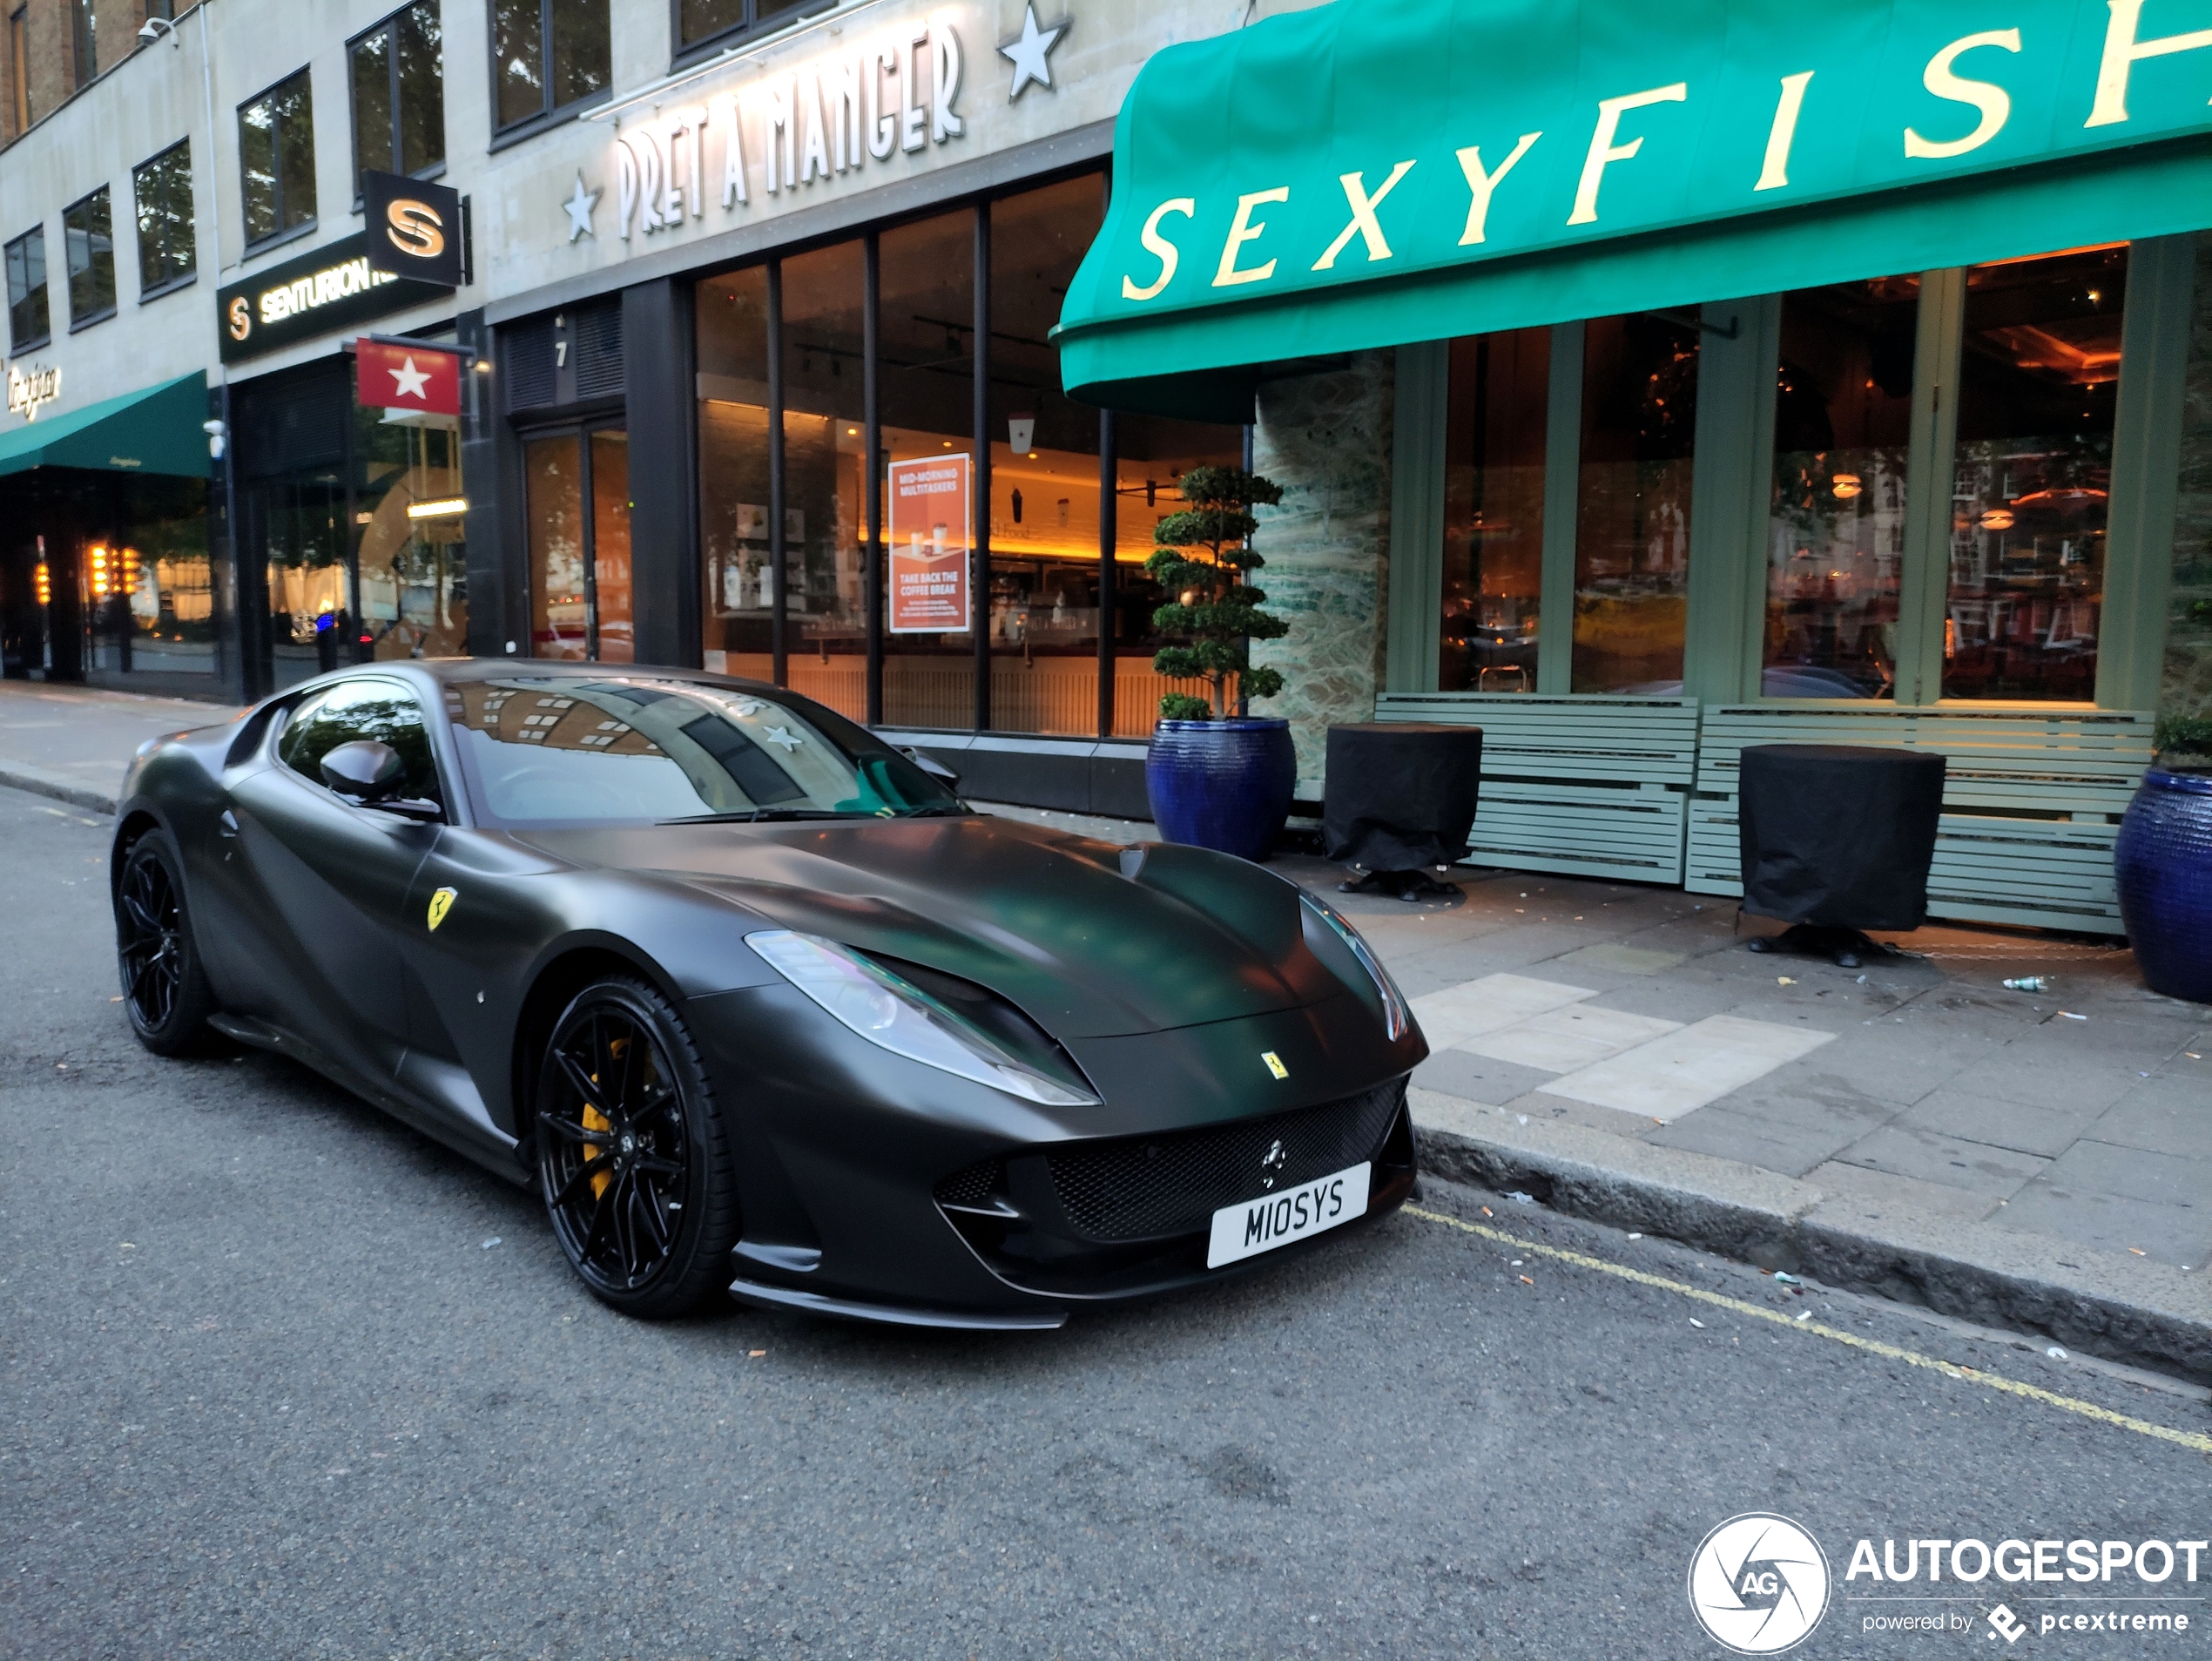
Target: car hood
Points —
{"points": [[1089, 939]]}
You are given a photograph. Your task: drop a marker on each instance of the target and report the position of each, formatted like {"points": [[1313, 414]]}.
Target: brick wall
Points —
{"points": [[50, 66]]}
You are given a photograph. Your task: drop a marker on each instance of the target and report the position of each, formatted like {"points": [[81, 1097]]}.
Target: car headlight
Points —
{"points": [[1397, 1019], [892, 1012]]}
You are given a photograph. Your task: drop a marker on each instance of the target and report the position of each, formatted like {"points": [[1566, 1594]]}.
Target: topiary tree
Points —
{"points": [[1203, 552]]}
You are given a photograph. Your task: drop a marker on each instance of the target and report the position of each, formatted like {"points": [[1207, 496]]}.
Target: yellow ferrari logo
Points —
{"points": [[1274, 1061], [441, 902]]}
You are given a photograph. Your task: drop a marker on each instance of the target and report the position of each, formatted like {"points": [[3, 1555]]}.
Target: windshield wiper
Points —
{"points": [[957, 811], [762, 815]]}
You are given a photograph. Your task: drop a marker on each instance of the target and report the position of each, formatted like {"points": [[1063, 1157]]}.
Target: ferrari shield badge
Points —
{"points": [[1274, 1061], [441, 902]]}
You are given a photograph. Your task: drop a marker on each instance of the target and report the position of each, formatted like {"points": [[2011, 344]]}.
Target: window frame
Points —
{"points": [[753, 27], [190, 274], [548, 115], [45, 292], [389, 27], [69, 269], [283, 234]]}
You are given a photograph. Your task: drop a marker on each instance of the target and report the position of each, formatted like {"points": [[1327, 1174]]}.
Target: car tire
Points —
{"points": [[166, 993], [634, 1163]]}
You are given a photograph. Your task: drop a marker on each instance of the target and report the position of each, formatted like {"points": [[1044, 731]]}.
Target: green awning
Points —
{"points": [[1373, 173], [158, 430]]}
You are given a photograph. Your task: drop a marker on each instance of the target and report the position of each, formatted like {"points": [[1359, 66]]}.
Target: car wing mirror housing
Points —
{"points": [[364, 771], [936, 769]]}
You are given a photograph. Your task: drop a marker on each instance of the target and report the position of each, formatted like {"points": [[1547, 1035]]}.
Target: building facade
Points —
{"points": [[764, 339]]}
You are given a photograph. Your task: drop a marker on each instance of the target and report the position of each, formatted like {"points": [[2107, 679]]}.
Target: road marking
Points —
{"points": [[2195, 1441]]}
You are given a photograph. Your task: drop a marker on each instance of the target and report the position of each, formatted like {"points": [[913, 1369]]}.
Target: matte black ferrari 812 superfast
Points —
{"points": [[755, 1000]]}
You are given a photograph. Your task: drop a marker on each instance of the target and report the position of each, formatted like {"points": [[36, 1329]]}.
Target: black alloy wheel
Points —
{"points": [[632, 1161], [166, 991]]}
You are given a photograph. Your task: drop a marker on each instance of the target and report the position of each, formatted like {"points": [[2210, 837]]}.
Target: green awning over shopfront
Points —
{"points": [[1374, 172], [158, 430]]}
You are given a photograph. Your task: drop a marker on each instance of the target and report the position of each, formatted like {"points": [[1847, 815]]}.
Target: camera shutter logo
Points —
{"points": [[1758, 1584]]}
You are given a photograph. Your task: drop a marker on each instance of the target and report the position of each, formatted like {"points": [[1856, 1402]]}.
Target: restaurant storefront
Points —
{"points": [[1716, 384]]}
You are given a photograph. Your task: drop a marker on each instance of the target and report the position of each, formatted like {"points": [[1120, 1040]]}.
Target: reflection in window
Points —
{"points": [[2032, 474], [29, 324], [1632, 526], [614, 636], [548, 55], [399, 95], [310, 588], [1494, 512], [380, 711], [699, 21], [89, 231], [276, 158], [167, 254], [414, 563], [1835, 535]]}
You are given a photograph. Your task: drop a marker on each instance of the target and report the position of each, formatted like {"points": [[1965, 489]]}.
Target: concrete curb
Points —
{"points": [[45, 781], [2126, 1309]]}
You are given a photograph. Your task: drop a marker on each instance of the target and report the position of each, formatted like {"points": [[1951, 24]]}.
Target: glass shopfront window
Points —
{"points": [[927, 377], [149, 600], [1843, 422], [410, 544], [2039, 372], [825, 359], [798, 324], [1045, 573], [578, 502], [1632, 522], [1494, 512]]}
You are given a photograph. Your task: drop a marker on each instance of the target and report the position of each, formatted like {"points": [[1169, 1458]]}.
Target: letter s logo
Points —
{"points": [[416, 228], [241, 319]]}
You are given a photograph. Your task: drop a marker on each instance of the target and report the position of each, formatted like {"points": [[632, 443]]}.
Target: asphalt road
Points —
{"points": [[279, 1378]]}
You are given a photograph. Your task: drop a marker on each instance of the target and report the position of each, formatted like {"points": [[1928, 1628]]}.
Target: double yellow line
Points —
{"points": [[2197, 1440]]}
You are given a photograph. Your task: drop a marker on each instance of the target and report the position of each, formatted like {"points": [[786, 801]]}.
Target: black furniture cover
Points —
{"points": [[1838, 835], [1401, 794]]}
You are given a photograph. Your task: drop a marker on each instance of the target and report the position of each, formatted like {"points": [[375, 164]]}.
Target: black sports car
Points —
{"points": [[756, 1001]]}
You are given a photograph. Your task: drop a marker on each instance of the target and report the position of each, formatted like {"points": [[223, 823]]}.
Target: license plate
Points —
{"points": [[1255, 1225]]}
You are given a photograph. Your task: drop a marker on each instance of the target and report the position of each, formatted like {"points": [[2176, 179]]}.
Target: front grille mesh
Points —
{"points": [[970, 1187], [1144, 1187]]}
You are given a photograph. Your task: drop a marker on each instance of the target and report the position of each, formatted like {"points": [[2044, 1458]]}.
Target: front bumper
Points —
{"points": [[878, 1189]]}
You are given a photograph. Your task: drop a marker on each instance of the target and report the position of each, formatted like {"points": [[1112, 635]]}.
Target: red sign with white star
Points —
{"points": [[420, 378]]}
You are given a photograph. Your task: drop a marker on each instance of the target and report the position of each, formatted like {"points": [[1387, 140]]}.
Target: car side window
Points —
{"points": [[367, 708]]}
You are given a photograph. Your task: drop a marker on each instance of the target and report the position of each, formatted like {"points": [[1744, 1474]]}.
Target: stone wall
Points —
{"points": [[1326, 440], [2187, 685]]}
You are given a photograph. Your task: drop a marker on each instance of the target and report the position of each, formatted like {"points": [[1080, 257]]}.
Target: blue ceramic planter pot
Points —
{"points": [[2163, 861], [1222, 784]]}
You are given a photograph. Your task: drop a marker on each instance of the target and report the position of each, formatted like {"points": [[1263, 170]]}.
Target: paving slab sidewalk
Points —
{"points": [[2040, 1161]]}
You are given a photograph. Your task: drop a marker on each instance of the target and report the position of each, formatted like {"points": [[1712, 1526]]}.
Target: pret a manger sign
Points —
{"points": [[1329, 146], [929, 545], [893, 93]]}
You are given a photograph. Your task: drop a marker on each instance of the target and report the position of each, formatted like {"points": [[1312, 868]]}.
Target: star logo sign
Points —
{"points": [[1028, 50], [784, 736], [578, 208], [412, 382]]}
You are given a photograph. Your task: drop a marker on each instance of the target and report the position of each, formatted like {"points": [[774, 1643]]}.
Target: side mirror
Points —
{"points": [[364, 771], [936, 769]]}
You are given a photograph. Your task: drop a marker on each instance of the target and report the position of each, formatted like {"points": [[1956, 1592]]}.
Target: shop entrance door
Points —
{"points": [[577, 501]]}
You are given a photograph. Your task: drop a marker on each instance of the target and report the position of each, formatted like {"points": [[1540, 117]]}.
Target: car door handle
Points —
{"points": [[227, 826]]}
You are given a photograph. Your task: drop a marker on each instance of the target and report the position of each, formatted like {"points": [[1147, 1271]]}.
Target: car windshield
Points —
{"points": [[612, 748]]}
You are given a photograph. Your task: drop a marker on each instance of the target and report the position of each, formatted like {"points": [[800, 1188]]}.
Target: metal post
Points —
{"points": [[872, 440], [1109, 501], [978, 582], [779, 601]]}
